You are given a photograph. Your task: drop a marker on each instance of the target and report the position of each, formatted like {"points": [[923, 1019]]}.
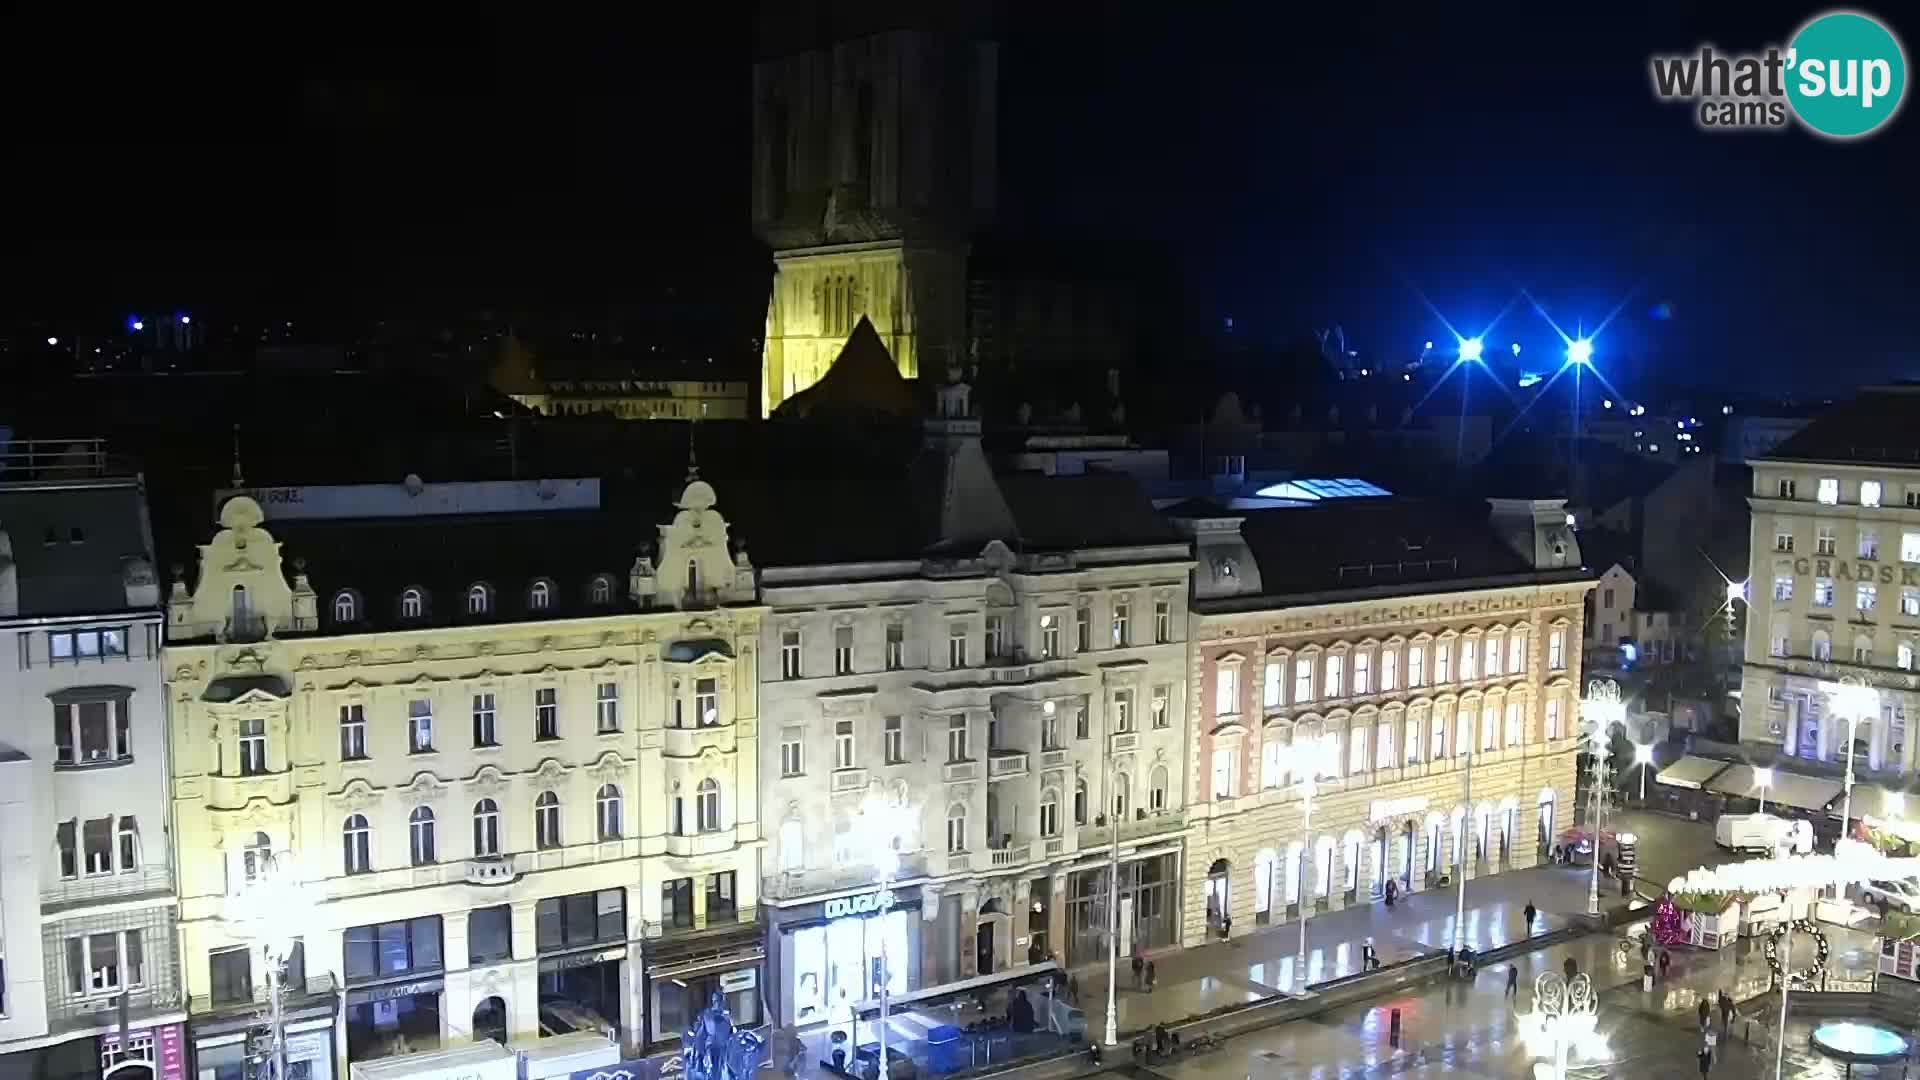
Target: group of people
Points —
{"points": [[1710, 1039]]}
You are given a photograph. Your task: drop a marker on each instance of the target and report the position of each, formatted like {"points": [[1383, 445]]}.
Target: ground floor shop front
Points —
{"points": [[684, 973], [1262, 860], [144, 1051]]}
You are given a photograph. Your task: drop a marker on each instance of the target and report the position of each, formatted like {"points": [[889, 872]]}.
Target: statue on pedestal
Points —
{"points": [[713, 1049]]}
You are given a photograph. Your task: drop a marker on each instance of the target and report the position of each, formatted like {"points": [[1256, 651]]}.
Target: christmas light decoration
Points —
{"points": [[1852, 860], [1776, 963], [1563, 1022], [1669, 924]]}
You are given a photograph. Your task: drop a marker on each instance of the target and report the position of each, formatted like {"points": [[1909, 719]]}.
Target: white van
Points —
{"points": [[1750, 832], [483, 1060]]}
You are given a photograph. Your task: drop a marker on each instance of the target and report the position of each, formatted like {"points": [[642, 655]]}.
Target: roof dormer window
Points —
{"points": [[601, 591], [346, 607], [413, 603], [479, 599], [540, 595]]}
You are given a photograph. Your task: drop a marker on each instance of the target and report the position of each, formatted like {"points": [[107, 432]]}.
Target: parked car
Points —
{"points": [[1899, 895]]}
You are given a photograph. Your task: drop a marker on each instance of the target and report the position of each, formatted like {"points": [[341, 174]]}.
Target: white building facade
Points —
{"points": [[89, 978]]}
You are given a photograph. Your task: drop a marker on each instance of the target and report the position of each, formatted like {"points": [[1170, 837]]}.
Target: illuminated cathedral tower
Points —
{"points": [[873, 164]]}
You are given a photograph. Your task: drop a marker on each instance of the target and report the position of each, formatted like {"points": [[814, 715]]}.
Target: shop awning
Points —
{"points": [[1690, 772], [1872, 800], [1787, 789]]}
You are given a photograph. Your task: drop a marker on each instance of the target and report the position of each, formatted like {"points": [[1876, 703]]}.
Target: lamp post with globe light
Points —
{"points": [[1602, 708], [1855, 700], [271, 911], [881, 825]]}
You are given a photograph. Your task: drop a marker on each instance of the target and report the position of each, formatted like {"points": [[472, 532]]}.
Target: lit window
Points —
{"points": [[1302, 680], [344, 608], [1903, 656], [1416, 665], [1556, 651], [1226, 690], [607, 812], [790, 654], [1389, 669], [1910, 601], [477, 600], [1362, 673], [546, 820], [1869, 544], [1869, 493], [1469, 652], [1336, 675], [1224, 768], [413, 604], [486, 828], [1822, 592], [357, 841], [420, 836], [1864, 595], [1783, 587], [1829, 491], [1270, 691], [540, 595]]}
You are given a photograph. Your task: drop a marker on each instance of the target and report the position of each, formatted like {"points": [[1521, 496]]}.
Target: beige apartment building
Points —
{"points": [[513, 765], [1415, 641]]}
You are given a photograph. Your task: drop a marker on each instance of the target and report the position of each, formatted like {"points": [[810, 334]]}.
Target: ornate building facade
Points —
{"points": [[512, 765], [89, 980], [1424, 644], [1001, 698]]}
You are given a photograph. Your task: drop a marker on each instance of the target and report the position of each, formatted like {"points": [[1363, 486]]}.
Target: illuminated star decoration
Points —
{"points": [[1564, 1016]]}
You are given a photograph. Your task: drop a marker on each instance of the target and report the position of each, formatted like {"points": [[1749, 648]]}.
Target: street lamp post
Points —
{"points": [[272, 910], [1643, 753], [879, 823], [1113, 910], [1602, 709], [1854, 700], [1763, 779], [1317, 759], [1466, 827]]}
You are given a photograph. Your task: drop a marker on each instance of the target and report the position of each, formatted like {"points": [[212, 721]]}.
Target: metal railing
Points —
{"points": [[54, 459], [1168, 821]]}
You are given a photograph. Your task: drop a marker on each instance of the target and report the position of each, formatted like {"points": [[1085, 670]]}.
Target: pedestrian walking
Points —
{"points": [[1726, 1012], [1528, 913], [1150, 976], [1139, 965], [1513, 980], [1073, 989], [1571, 968], [1666, 961], [1708, 1044], [1706, 1015], [1392, 887]]}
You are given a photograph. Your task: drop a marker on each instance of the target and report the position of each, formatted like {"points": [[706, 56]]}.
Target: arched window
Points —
{"points": [[1050, 812], [1080, 802], [602, 591], [358, 840], [1822, 645], [478, 599], [957, 827], [254, 858], [413, 604], [707, 805], [242, 607], [420, 832], [486, 827], [693, 575], [345, 610], [793, 845], [1121, 789], [540, 595], [607, 806], [546, 820], [1157, 790], [1350, 879], [129, 838]]}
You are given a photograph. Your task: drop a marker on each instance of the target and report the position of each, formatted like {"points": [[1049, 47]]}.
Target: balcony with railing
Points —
{"points": [[81, 892], [1135, 829]]}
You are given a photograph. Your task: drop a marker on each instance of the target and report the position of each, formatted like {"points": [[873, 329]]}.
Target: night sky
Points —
{"points": [[1304, 167]]}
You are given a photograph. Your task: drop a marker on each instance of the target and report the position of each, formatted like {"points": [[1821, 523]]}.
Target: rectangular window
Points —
{"points": [[1786, 489], [1822, 592], [1161, 717], [893, 742], [1517, 653], [490, 934], [420, 726], [1302, 680], [232, 975], [586, 918], [790, 654], [1913, 496], [96, 841], [353, 732], [1082, 726], [1824, 542], [1123, 711], [1049, 637], [1783, 587], [706, 702], [1383, 745], [791, 762], [956, 646], [1493, 656], [1869, 544], [1606, 599], [957, 738], [1553, 718], [1469, 659], [1863, 597], [1362, 673], [996, 643], [1439, 736], [1516, 721], [1862, 653], [1413, 738], [1416, 665], [676, 903], [843, 744], [1356, 751], [66, 836], [1083, 629], [1270, 691], [1224, 770], [253, 747], [1122, 624], [1910, 547], [104, 963], [1829, 491], [546, 713], [1226, 690], [1050, 726], [483, 730], [606, 707], [1442, 663], [843, 650], [896, 646], [1336, 680], [1389, 669], [1556, 651], [1782, 538], [1822, 647], [1869, 493], [1489, 728], [1162, 621], [1910, 601], [1777, 643]]}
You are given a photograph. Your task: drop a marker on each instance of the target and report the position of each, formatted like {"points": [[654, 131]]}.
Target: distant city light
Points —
{"points": [[185, 319], [1516, 348], [1736, 590], [1607, 404], [1429, 345], [1470, 349], [1653, 448], [53, 341], [1406, 378], [1579, 351], [1679, 423], [1726, 410], [1363, 371]]}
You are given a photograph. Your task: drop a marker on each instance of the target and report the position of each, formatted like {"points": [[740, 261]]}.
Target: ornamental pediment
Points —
{"points": [[550, 772], [487, 781], [357, 796], [426, 787], [610, 767]]}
